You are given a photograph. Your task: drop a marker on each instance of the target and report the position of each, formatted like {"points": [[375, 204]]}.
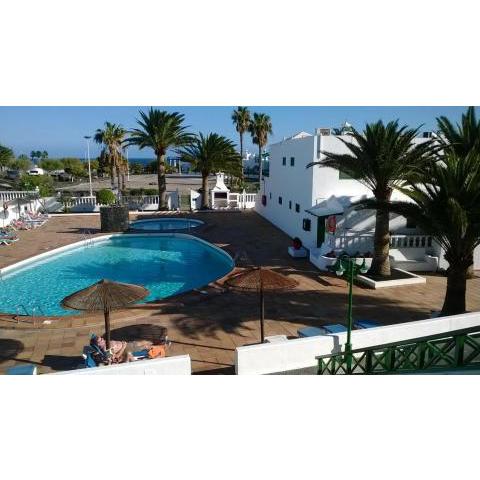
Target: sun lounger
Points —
{"points": [[365, 324], [335, 328], [311, 331], [22, 370]]}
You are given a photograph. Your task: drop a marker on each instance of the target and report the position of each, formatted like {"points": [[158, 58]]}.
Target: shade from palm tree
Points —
{"points": [[160, 130], [261, 280], [112, 136], [207, 154], [382, 157], [105, 296], [260, 128], [241, 119]]}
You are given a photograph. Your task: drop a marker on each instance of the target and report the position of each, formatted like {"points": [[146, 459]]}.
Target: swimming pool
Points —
{"points": [[166, 264], [165, 224]]}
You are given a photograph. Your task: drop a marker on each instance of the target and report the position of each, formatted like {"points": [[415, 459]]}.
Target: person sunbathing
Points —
{"points": [[121, 351]]}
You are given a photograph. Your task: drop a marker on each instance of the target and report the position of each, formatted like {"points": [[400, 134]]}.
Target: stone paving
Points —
{"points": [[210, 325]]}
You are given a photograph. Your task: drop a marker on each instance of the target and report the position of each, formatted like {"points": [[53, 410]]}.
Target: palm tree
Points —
{"points": [[241, 119], [113, 138], [462, 138], [260, 128], [160, 130], [383, 157], [208, 154], [446, 205], [6, 156]]}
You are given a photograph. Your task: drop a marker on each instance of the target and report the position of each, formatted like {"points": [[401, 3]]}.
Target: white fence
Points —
{"points": [[410, 241], [241, 200], [300, 353], [9, 195], [176, 365]]}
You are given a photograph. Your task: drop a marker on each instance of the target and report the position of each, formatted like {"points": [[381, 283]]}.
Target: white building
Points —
{"points": [[302, 201]]}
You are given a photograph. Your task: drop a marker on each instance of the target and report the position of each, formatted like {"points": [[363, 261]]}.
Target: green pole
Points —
{"points": [[348, 345]]}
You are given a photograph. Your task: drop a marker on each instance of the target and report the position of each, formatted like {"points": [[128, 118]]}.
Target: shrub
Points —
{"points": [[43, 182], [106, 197]]}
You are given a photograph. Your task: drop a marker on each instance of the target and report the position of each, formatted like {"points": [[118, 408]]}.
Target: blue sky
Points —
{"points": [[60, 130]]}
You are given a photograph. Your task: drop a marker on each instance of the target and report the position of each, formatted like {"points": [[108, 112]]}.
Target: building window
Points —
{"points": [[284, 161], [411, 223], [290, 204], [297, 208], [292, 161], [280, 200], [270, 195]]}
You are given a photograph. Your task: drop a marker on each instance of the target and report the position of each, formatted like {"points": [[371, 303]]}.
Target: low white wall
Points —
{"points": [[300, 353], [177, 365]]}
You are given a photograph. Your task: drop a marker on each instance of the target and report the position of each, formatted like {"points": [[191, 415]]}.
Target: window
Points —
{"points": [[307, 224], [297, 207], [290, 204], [280, 200], [284, 161], [270, 195], [411, 223], [292, 161]]}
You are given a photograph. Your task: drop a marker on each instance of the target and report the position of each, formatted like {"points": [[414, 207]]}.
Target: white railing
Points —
{"points": [[238, 200], [300, 353], [6, 196], [410, 241]]}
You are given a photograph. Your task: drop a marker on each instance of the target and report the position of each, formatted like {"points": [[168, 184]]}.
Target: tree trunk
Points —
{"points": [[162, 185], [205, 193], [119, 180], [112, 176], [381, 261], [454, 302], [241, 158], [260, 170]]}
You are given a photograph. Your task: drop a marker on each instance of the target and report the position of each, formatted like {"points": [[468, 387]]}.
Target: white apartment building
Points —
{"points": [[301, 201]]}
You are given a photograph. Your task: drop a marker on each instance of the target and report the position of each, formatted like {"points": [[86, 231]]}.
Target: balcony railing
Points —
{"points": [[447, 351]]}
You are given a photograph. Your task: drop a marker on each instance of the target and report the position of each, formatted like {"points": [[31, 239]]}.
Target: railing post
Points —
{"points": [[368, 361], [459, 350], [391, 359], [422, 348]]}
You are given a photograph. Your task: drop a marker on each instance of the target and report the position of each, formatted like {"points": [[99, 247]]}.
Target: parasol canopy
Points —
{"points": [[261, 280], [105, 296]]}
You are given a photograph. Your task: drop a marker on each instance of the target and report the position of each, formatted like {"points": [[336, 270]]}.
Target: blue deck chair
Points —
{"points": [[335, 328], [361, 324], [310, 332]]}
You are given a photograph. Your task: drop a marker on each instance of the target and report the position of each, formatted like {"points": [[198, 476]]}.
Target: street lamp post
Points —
{"points": [[87, 138], [348, 266]]}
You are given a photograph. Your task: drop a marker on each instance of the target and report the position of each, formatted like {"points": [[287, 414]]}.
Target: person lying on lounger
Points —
{"points": [[121, 351]]}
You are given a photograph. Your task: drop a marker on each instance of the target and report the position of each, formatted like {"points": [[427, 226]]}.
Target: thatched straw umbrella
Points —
{"points": [[105, 296], [261, 280]]}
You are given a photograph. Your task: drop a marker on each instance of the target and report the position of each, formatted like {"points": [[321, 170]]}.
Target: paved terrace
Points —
{"points": [[208, 326]]}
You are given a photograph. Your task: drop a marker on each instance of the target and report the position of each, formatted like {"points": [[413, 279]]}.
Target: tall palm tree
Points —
{"points": [[461, 138], [112, 137], [241, 119], [383, 157], [160, 130], [6, 156], [260, 128], [208, 154], [446, 205]]}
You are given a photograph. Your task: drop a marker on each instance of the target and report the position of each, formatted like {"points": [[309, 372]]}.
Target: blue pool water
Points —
{"points": [[165, 224], [165, 264]]}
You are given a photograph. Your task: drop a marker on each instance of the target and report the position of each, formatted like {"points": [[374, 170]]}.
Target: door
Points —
{"points": [[320, 231]]}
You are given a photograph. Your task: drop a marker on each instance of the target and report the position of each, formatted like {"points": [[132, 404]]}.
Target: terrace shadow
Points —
{"points": [[62, 362], [229, 312], [10, 348]]}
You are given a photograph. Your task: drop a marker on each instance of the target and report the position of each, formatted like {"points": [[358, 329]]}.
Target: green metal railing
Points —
{"points": [[452, 350]]}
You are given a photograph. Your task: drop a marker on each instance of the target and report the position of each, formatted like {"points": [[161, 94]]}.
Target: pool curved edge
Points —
{"points": [[102, 238]]}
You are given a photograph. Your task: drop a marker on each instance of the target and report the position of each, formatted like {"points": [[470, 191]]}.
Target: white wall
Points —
{"points": [[177, 365], [293, 184], [300, 353]]}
